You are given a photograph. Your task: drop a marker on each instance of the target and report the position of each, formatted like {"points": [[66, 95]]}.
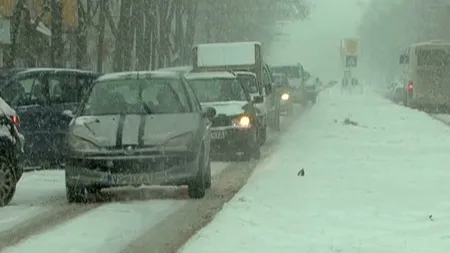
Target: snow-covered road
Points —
{"points": [[39, 217], [376, 180]]}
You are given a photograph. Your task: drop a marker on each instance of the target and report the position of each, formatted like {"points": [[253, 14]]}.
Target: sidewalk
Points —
{"points": [[376, 180]]}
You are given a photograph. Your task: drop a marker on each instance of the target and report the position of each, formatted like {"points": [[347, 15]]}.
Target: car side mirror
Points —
{"points": [[258, 99], [68, 113], [209, 112]]}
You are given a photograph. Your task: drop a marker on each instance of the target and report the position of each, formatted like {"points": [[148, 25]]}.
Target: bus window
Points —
{"points": [[433, 57]]}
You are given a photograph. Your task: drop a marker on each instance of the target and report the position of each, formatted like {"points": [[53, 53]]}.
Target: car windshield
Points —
{"points": [[280, 81], [289, 71], [218, 89], [249, 82], [148, 96]]}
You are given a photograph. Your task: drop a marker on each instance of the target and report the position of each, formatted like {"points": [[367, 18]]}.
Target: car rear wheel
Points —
{"points": [[7, 181], [197, 187], [76, 194]]}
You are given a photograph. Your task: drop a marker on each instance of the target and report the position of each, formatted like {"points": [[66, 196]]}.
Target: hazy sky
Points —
{"points": [[315, 42]]}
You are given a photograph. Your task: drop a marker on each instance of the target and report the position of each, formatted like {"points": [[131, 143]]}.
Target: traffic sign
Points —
{"points": [[351, 61]]}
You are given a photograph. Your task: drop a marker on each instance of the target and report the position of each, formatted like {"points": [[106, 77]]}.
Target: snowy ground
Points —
{"points": [[376, 182], [106, 227]]}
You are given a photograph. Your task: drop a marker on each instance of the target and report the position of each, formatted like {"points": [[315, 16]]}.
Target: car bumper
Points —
{"points": [[115, 171], [285, 105], [231, 138]]}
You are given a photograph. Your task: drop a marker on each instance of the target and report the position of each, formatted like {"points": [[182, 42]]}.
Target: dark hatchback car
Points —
{"points": [[139, 128], [284, 92], [44, 99], [11, 151], [235, 126]]}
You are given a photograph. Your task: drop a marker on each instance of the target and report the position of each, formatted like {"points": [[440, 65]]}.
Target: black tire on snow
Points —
{"points": [[253, 150], [76, 194], [208, 181], [262, 135], [7, 181], [197, 187]]}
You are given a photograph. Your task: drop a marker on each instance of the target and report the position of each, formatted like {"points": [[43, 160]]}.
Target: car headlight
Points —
{"points": [[285, 96], [243, 121], [182, 141], [81, 144]]}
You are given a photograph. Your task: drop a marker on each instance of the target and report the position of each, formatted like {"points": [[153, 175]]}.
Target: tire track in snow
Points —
{"points": [[228, 181], [174, 231]]}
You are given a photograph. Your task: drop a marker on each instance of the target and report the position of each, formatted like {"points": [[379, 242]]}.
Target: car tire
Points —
{"points": [[76, 194], [290, 111], [208, 181], [7, 181], [262, 135], [197, 187], [277, 125], [253, 150]]}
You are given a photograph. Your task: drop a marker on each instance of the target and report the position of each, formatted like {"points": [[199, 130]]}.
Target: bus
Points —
{"points": [[426, 76]]}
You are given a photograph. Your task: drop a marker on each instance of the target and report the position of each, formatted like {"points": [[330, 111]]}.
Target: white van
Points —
{"points": [[426, 76]]}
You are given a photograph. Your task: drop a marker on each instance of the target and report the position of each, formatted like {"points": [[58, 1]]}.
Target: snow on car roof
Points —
{"points": [[209, 75], [226, 54], [245, 73], [31, 70], [137, 75], [186, 68]]}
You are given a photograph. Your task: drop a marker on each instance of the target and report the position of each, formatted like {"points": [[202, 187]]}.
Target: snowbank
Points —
{"points": [[376, 180]]}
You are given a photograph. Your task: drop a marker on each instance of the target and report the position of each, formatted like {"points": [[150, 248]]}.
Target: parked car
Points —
{"points": [[11, 151], [44, 99], [284, 91], [139, 128], [235, 128]]}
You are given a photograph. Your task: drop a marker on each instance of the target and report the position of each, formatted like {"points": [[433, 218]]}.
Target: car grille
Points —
{"points": [[221, 121]]}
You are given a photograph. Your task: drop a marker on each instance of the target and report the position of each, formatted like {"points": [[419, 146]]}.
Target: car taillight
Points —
{"points": [[411, 85], [15, 120]]}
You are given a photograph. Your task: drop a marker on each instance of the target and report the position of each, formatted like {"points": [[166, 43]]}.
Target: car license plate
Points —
{"points": [[217, 135]]}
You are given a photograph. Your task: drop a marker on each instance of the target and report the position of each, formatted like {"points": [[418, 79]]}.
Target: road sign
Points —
{"points": [[350, 46], [351, 61]]}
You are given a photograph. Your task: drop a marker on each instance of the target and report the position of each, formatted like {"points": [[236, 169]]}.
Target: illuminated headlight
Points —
{"points": [[181, 141], [285, 96], [80, 144], [243, 121]]}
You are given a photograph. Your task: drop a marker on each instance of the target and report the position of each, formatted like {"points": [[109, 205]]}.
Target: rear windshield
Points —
{"points": [[218, 90], [289, 71], [433, 57], [152, 96]]}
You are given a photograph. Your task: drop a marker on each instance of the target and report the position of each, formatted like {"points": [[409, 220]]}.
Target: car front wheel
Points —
{"points": [[197, 187], [7, 181]]}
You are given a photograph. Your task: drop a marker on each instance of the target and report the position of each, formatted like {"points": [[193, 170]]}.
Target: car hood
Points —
{"points": [[105, 130], [229, 108], [296, 82]]}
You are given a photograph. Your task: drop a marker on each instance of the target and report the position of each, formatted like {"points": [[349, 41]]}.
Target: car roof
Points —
{"points": [[278, 74], [139, 75], [183, 69], [32, 70], [245, 73], [210, 75]]}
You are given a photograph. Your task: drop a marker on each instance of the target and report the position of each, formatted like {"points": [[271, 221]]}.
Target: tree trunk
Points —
{"points": [[15, 26], [57, 43], [190, 31], [139, 24], [150, 19], [101, 36], [81, 35], [121, 56]]}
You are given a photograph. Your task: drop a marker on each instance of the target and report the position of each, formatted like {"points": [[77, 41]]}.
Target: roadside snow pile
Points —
{"points": [[379, 188]]}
